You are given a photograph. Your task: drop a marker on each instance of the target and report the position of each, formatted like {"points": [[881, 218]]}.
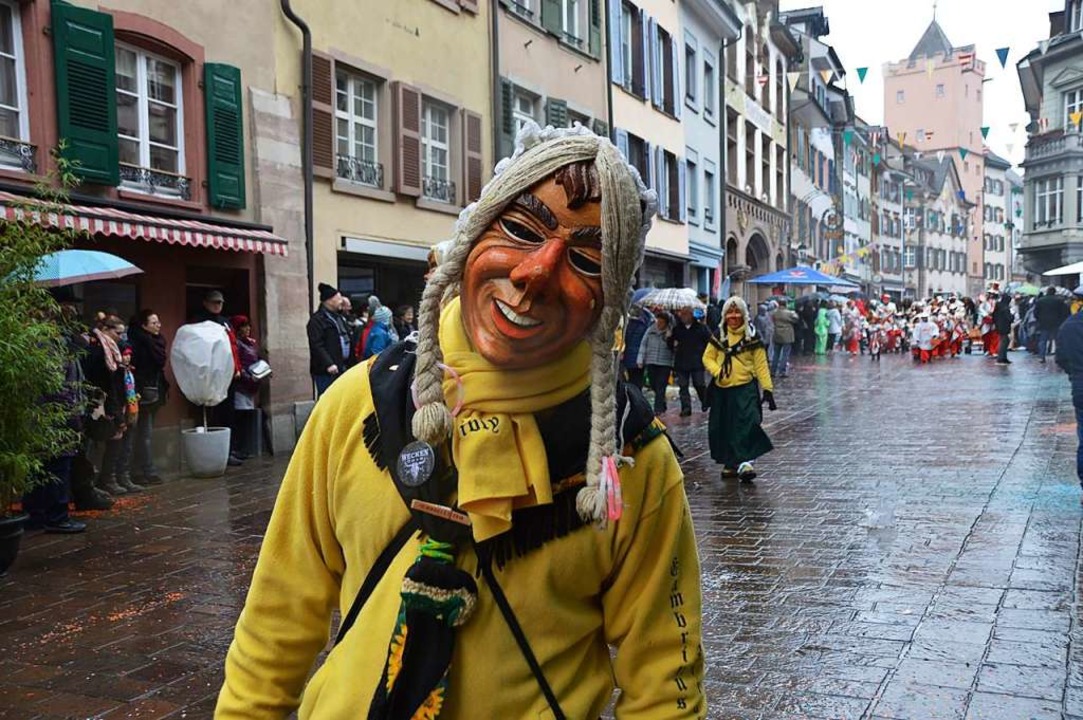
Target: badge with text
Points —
{"points": [[416, 463]]}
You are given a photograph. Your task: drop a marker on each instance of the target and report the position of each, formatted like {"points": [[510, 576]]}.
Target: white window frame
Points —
{"points": [[429, 145], [20, 80], [570, 20], [940, 90], [691, 190], [627, 53], [909, 256], [353, 79], [1048, 201], [520, 117], [525, 9], [709, 209], [1073, 102], [143, 110], [691, 72], [709, 80], [900, 97], [1075, 19]]}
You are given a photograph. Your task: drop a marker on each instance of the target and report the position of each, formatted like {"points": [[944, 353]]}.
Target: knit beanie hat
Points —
{"points": [[382, 315], [627, 208], [327, 292]]}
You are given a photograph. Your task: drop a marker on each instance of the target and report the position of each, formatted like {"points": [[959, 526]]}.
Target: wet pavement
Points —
{"points": [[911, 550]]}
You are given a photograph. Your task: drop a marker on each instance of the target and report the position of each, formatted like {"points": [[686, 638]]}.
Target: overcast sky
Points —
{"points": [[870, 33]]}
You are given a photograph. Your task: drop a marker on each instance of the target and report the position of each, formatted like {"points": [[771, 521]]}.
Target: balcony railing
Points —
{"points": [[156, 182], [19, 154], [523, 10], [438, 189], [359, 171], [1053, 144]]}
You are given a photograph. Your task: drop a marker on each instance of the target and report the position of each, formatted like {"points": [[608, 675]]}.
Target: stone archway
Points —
{"points": [[731, 255], [757, 255], [780, 262]]}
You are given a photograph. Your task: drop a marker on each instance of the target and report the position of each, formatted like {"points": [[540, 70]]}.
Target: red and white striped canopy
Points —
{"points": [[114, 222]]}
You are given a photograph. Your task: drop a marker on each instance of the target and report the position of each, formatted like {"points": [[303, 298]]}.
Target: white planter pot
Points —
{"points": [[206, 451]]}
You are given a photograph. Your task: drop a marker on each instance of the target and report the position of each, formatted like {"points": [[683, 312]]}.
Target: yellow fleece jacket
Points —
{"points": [[634, 586], [747, 366]]}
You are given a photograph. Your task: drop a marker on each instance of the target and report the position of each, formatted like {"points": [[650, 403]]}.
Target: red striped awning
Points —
{"points": [[114, 222]]}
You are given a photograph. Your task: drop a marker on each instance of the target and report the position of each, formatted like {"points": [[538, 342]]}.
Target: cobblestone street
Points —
{"points": [[910, 550]]}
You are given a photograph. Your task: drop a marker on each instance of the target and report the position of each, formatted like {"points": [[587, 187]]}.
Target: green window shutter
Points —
{"points": [[595, 39], [600, 127], [550, 17], [85, 58], [556, 113], [507, 118], [225, 135]]}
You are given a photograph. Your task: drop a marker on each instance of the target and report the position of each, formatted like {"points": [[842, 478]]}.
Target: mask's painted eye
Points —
{"points": [[518, 231], [584, 263]]}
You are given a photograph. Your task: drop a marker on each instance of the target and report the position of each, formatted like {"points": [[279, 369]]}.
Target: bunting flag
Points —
{"points": [[940, 156], [966, 59], [909, 194], [861, 73], [1076, 117], [1044, 46], [794, 78], [762, 80], [930, 66], [963, 152], [1010, 147], [1014, 127], [985, 132], [847, 135], [876, 158], [826, 76], [1002, 55], [901, 137]]}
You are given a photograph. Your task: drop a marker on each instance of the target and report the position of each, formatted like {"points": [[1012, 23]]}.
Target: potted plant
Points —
{"points": [[33, 428]]}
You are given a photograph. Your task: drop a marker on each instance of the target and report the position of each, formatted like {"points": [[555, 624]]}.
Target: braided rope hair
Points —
{"points": [[627, 208]]}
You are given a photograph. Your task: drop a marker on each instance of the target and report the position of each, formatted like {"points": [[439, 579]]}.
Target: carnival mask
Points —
{"points": [[532, 287]]}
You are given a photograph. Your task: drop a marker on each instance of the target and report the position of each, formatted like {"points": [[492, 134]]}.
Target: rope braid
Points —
{"points": [[626, 209]]}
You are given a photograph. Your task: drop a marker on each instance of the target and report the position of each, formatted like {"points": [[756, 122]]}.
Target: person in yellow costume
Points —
{"points": [[490, 511], [738, 363]]}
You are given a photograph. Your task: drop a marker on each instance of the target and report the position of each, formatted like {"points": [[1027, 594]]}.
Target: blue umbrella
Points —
{"points": [[801, 275], [70, 267]]}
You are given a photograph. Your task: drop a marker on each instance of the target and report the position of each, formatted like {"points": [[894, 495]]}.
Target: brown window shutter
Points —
{"points": [[469, 5], [472, 165], [323, 115], [407, 123]]}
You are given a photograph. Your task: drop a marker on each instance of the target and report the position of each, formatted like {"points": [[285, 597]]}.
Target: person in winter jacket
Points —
{"points": [[379, 338], [1070, 359], [737, 362], [690, 338], [656, 357], [1050, 310], [149, 356], [765, 324], [834, 326], [786, 327], [104, 369], [328, 340], [1002, 325], [635, 327]]}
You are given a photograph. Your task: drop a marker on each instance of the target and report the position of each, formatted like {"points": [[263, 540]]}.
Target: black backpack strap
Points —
{"points": [[520, 637], [377, 571]]}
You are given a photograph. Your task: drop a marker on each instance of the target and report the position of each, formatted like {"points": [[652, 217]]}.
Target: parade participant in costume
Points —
{"points": [[926, 332], [738, 363], [990, 340], [874, 333], [500, 447]]}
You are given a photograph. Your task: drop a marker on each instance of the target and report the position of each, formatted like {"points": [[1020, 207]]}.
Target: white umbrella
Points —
{"points": [[1073, 269], [672, 299]]}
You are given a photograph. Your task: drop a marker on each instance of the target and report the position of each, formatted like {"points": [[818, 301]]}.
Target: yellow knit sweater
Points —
{"points": [[747, 366], [634, 586]]}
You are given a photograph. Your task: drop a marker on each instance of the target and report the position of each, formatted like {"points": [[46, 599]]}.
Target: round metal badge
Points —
{"points": [[416, 463]]}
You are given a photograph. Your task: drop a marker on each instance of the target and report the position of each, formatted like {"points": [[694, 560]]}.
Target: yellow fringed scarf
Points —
{"points": [[496, 444]]}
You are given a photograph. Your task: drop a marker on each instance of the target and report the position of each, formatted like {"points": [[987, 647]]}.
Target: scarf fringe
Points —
{"points": [[370, 433], [533, 527]]}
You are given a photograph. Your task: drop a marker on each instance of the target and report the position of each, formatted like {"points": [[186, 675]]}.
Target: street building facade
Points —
{"points": [[158, 114], [996, 234], [1016, 205], [1051, 76], [891, 184], [550, 67], [758, 221], [854, 261], [707, 26], [937, 223], [933, 101]]}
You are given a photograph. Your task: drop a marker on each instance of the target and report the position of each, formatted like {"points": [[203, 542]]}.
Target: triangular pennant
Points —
{"points": [[861, 73], [985, 132], [794, 78], [1002, 55], [1076, 117], [940, 156], [848, 135], [1044, 46], [876, 158], [826, 76], [1014, 127], [762, 80], [901, 137], [963, 153], [909, 194], [930, 65], [1010, 147]]}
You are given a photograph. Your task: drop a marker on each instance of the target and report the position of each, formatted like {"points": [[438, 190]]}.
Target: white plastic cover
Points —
{"points": [[202, 362]]}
